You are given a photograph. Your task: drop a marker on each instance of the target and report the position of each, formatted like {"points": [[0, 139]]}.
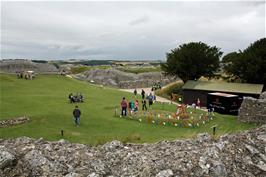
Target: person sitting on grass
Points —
{"points": [[76, 114]]}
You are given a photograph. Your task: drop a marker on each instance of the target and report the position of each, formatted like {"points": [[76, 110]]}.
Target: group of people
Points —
{"points": [[75, 98], [133, 106], [28, 75]]}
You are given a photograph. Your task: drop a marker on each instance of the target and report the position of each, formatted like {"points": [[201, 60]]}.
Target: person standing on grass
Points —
{"points": [[124, 107], [76, 114], [198, 102], [144, 105], [136, 106]]}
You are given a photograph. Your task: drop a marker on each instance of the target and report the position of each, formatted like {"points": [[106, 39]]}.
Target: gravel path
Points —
{"points": [[147, 92]]}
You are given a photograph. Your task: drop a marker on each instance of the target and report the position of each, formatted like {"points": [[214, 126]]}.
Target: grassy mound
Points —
{"points": [[138, 70], [174, 87], [44, 100]]}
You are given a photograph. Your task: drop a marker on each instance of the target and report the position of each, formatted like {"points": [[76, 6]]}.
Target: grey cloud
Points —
{"points": [[125, 30], [140, 20]]}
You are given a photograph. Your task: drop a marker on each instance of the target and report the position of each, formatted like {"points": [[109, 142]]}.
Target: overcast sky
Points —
{"points": [[125, 30]]}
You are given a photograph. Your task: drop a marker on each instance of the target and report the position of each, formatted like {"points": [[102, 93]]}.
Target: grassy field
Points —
{"points": [[80, 69], [44, 100], [138, 70]]}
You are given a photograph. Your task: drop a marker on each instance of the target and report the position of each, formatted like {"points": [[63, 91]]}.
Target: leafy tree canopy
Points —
{"points": [[248, 65], [192, 60]]}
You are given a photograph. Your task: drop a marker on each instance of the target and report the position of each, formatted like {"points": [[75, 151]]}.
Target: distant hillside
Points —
{"points": [[12, 66]]}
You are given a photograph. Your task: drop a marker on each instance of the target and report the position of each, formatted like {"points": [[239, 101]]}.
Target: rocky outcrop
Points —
{"points": [[120, 79], [241, 154], [14, 121], [12, 66], [253, 110]]}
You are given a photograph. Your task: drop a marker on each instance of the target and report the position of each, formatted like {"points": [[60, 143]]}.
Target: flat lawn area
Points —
{"points": [[45, 101]]}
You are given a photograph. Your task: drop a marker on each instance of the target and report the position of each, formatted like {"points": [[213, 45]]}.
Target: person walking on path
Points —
{"points": [[143, 94], [124, 107], [144, 105], [76, 114], [135, 92], [150, 100]]}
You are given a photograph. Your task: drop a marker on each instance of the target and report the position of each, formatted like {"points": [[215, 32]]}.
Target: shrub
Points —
{"points": [[174, 87]]}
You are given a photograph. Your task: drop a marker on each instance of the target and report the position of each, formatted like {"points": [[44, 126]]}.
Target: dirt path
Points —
{"points": [[147, 92]]}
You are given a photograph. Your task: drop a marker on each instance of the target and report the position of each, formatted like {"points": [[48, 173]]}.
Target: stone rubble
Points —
{"points": [[242, 154], [253, 110], [12, 66], [15, 121]]}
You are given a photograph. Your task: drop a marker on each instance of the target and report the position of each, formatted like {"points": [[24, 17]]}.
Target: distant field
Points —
{"points": [[137, 70], [80, 69], [45, 101]]}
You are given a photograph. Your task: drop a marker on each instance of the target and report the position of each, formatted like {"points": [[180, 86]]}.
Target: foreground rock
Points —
{"points": [[242, 154], [253, 110]]}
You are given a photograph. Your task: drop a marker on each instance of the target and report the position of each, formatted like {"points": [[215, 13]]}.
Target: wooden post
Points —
{"points": [[214, 128], [115, 111], [62, 132]]}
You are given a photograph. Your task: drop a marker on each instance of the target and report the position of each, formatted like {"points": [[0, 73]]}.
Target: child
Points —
{"points": [[136, 106]]}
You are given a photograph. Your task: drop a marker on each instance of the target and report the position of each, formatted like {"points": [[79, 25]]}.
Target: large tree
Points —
{"points": [[193, 60], [248, 65]]}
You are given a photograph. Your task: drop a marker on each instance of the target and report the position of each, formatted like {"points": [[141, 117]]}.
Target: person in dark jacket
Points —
{"points": [[143, 94], [150, 98], [144, 105], [135, 92], [76, 114]]}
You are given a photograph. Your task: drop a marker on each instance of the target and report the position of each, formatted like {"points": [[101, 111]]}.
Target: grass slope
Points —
{"points": [[45, 101]]}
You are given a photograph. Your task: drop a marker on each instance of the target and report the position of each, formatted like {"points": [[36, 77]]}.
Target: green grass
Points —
{"points": [[138, 70], [80, 69], [44, 101]]}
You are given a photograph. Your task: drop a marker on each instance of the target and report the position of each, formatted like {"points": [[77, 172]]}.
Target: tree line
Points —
{"points": [[195, 59]]}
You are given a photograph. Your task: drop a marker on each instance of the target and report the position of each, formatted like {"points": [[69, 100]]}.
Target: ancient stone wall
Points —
{"points": [[242, 154], [12, 66], [253, 110], [120, 79]]}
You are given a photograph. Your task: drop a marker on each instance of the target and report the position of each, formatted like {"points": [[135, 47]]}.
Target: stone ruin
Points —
{"points": [[253, 110], [13, 66], [241, 154], [14, 121], [115, 78]]}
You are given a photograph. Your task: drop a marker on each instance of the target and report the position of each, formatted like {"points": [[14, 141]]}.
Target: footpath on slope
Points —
{"points": [[241, 154], [147, 92]]}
